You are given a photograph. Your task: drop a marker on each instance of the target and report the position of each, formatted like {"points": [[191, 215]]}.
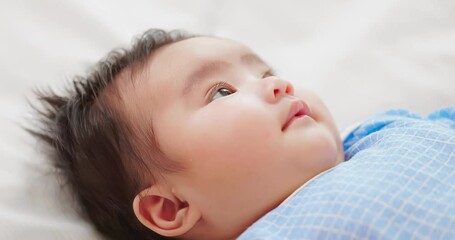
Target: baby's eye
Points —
{"points": [[222, 92], [269, 73], [221, 89]]}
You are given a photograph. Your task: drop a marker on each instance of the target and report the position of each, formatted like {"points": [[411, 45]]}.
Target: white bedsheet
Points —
{"points": [[360, 56]]}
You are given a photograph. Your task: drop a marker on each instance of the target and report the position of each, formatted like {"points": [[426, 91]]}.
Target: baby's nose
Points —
{"points": [[276, 88]]}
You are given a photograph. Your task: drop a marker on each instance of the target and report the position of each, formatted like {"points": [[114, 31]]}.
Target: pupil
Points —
{"points": [[225, 92]]}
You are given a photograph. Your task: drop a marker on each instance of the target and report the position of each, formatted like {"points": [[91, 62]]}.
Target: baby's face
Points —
{"points": [[217, 109]]}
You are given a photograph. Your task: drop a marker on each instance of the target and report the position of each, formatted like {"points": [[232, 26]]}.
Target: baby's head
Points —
{"points": [[186, 136]]}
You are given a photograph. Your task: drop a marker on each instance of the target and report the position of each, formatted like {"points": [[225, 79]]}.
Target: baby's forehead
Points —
{"points": [[171, 66], [199, 50]]}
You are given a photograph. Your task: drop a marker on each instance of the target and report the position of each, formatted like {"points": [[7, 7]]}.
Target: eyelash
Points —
{"points": [[269, 73], [219, 85]]}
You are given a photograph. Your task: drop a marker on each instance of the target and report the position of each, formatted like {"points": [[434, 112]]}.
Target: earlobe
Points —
{"points": [[162, 212]]}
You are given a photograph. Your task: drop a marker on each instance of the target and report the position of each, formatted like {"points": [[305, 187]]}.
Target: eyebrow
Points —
{"points": [[210, 68]]}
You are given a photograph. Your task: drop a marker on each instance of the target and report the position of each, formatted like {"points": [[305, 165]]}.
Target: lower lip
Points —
{"points": [[295, 119]]}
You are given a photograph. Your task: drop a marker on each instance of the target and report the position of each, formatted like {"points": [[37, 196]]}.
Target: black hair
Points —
{"points": [[91, 142]]}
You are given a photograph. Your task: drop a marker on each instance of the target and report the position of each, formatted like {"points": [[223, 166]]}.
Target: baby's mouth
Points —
{"points": [[298, 109]]}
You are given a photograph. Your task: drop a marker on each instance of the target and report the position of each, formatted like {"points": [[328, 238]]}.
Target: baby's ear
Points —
{"points": [[162, 212]]}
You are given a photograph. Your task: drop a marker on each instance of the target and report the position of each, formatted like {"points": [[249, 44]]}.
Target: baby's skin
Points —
{"points": [[246, 137]]}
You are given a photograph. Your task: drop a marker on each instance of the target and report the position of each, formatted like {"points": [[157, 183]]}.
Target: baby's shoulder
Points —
{"points": [[402, 125]]}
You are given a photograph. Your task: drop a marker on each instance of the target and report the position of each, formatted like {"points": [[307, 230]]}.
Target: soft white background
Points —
{"points": [[361, 56]]}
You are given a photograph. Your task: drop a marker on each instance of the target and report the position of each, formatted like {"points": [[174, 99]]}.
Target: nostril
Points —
{"points": [[288, 89], [276, 91]]}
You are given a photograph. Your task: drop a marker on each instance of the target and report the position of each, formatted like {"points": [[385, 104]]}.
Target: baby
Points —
{"points": [[187, 137]]}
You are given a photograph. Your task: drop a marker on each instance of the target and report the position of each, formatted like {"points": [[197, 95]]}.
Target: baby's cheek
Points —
{"points": [[236, 133]]}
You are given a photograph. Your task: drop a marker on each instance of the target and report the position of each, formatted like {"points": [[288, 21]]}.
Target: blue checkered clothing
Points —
{"points": [[398, 182]]}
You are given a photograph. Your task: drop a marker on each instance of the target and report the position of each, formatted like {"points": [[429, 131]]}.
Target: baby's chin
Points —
{"points": [[320, 149]]}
